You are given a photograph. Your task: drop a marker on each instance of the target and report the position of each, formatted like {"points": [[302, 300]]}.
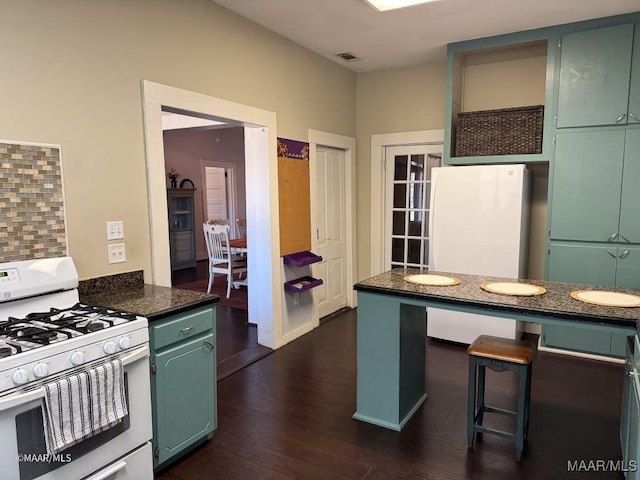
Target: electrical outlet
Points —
{"points": [[116, 253], [115, 230]]}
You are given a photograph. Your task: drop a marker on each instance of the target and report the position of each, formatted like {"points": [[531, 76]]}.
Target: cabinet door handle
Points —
{"points": [[187, 329], [611, 253], [612, 237], [620, 117], [631, 115], [209, 345], [624, 254], [625, 238]]}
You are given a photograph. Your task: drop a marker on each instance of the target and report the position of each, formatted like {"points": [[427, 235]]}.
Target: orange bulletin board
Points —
{"points": [[294, 196]]}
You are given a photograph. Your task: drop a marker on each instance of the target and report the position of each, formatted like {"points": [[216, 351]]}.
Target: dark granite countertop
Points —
{"points": [[556, 302], [150, 301]]}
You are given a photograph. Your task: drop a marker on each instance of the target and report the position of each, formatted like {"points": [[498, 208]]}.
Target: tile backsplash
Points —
{"points": [[31, 202]]}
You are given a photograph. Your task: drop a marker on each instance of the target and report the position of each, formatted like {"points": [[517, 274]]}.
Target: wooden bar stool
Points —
{"points": [[499, 354]]}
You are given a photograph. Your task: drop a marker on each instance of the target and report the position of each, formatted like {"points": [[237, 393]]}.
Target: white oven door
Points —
{"points": [[23, 455]]}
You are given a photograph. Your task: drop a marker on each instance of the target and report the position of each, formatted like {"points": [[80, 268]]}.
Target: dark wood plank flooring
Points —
{"points": [[237, 339], [289, 416]]}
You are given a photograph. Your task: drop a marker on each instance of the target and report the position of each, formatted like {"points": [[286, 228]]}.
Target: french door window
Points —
{"points": [[408, 175]]}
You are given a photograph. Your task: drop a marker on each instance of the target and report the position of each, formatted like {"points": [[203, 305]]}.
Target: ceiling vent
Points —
{"points": [[347, 56]]}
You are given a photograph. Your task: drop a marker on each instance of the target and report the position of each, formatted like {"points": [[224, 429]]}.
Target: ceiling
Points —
{"points": [[414, 34]]}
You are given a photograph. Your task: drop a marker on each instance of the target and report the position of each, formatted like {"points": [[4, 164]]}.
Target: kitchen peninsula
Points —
{"points": [[392, 330]]}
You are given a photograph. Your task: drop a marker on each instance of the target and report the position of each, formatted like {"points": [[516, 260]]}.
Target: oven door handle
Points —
{"points": [[19, 399], [109, 471]]}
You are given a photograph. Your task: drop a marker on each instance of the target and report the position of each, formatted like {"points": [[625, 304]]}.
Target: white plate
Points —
{"points": [[432, 280], [513, 288], [609, 299]]}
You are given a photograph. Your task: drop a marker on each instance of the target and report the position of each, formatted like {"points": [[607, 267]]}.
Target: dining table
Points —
{"points": [[239, 245]]}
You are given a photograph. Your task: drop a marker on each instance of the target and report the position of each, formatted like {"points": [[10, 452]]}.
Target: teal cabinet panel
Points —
{"points": [[595, 71], [586, 185], [630, 200], [182, 327], [183, 382], [628, 267], [634, 88], [582, 340], [595, 265], [630, 414], [185, 395], [590, 264], [618, 344]]}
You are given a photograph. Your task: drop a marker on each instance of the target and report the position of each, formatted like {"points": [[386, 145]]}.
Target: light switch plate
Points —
{"points": [[115, 230], [116, 253]]}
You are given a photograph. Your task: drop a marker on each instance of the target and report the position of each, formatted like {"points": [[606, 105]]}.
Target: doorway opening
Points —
{"points": [[259, 127]]}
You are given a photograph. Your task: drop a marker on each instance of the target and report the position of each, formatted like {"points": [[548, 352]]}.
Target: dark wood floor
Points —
{"points": [[237, 340], [289, 416]]}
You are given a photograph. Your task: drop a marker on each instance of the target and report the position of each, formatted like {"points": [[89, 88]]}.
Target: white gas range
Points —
{"points": [[74, 380]]}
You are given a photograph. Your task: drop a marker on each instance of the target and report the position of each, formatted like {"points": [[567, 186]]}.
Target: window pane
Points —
{"points": [[400, 168], [397, 250], [415, 195], [399, 195], [433, 161], [413, 250], [415, 224], [417, 167], [398, 223]]}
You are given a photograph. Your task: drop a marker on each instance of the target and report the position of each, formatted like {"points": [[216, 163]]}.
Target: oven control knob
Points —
{"points": [[20, 376], [40, 370], [77, 358], [124, 342], [109, 347]]}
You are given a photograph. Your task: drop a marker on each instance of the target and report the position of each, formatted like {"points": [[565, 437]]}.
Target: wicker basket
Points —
{"points": [[509, 131]]}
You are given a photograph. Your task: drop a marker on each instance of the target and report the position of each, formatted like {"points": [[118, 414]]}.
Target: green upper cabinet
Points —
{"points": [[630, 203], [634, 88], [628, 267], [595, 265], [586, 190], [595, 76]]}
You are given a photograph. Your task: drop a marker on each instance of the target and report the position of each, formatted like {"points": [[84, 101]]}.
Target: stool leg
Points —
{"points": [[471, 402], [481, 384], [521, 410]]}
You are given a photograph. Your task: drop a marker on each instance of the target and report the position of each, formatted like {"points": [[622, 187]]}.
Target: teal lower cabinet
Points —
{"points": [[183, 382], [602, 265], [583, 340], [630, 415]]}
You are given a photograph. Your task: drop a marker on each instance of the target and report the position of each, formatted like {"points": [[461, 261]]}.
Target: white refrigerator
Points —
{"points": [[479, 224]]}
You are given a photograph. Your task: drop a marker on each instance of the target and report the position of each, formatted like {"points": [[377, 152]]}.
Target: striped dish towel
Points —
{"points": [[83, 404]]}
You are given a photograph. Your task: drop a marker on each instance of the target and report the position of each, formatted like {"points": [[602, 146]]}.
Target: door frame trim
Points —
{"points": [[265, 302], [348, 145], [378, 144]]}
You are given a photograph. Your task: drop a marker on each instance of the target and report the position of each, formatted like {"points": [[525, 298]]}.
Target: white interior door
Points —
{"points": [[330, 231], [407, 209], [216, 188]]}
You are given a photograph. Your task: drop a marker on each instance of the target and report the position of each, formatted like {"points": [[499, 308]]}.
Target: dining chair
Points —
{"points": [[241, 225], [221, 260]]}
